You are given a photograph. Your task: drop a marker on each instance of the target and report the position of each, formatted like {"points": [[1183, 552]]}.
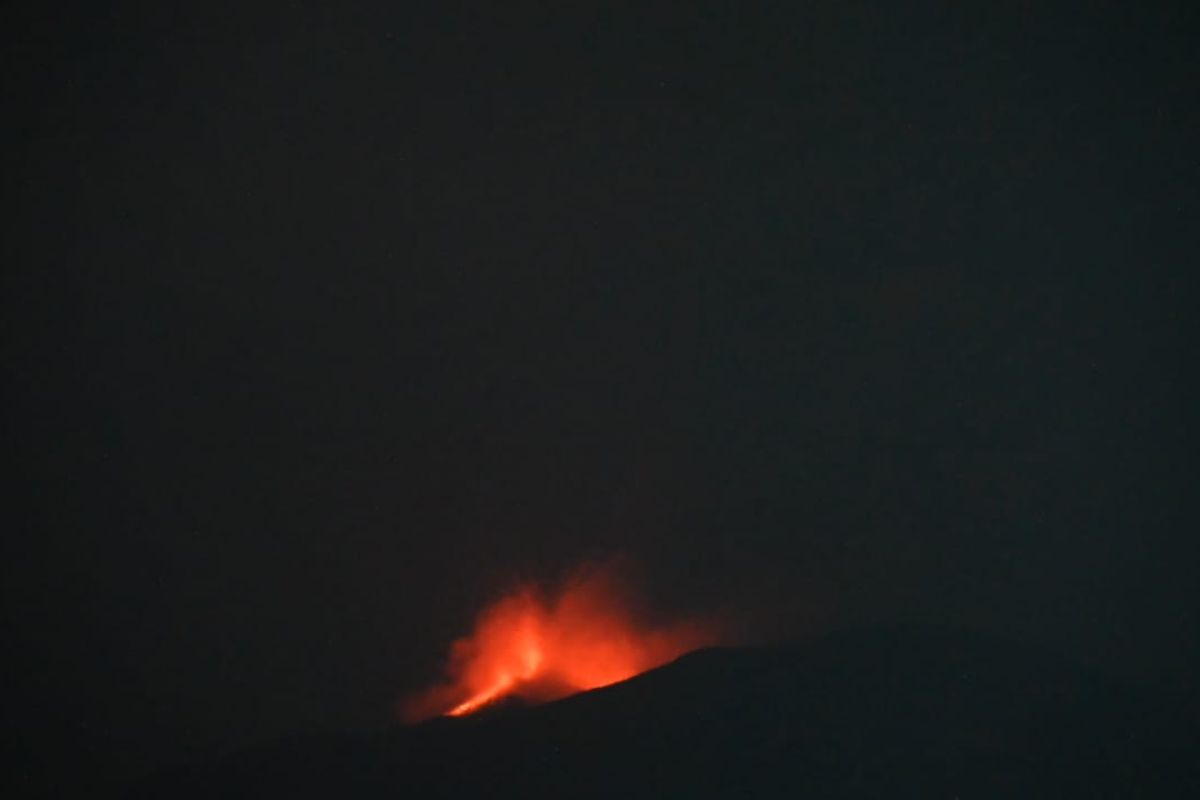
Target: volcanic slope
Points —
{"points": [[872, 713]]}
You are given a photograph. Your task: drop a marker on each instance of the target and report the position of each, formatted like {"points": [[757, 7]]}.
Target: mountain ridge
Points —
{"points": [[890, 711]]}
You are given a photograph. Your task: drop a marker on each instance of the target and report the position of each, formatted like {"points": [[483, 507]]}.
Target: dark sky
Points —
{"points": [[325, 325]]}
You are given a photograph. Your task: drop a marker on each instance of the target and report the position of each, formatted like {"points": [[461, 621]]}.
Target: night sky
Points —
{"points": [[322, 326]]}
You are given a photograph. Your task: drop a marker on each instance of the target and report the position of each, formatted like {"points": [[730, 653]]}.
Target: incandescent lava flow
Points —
{"points": [[539, 647]]}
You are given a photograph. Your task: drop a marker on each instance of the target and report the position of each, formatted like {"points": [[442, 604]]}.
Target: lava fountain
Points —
{"points": [[539, 647]]}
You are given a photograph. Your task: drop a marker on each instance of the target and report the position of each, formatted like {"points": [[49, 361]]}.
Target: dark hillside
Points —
{"points": [[871, 713]]}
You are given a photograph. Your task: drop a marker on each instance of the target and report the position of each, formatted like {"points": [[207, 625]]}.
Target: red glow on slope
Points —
{"points": [[541, 648]]}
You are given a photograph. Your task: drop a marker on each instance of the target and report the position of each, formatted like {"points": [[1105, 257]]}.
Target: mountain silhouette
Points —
{"points": [[873, 713]]}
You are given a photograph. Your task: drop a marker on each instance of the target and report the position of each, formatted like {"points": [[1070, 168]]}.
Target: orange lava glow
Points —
{"points": [[540, 648]]}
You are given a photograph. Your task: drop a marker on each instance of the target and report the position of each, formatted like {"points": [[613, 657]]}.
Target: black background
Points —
{"points": [[325, 325]]}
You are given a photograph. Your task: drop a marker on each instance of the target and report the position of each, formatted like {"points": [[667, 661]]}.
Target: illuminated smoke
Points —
{"points": [[540, 647]]}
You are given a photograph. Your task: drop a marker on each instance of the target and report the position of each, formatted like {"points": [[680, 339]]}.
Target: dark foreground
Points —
{"points": [[870, 714]]}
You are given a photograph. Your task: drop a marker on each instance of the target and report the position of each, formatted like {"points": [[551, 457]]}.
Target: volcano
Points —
{"points": [[535, 646], [922, 713]]}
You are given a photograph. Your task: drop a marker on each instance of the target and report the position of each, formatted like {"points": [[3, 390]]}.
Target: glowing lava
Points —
{"points": [[541, 648]]}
